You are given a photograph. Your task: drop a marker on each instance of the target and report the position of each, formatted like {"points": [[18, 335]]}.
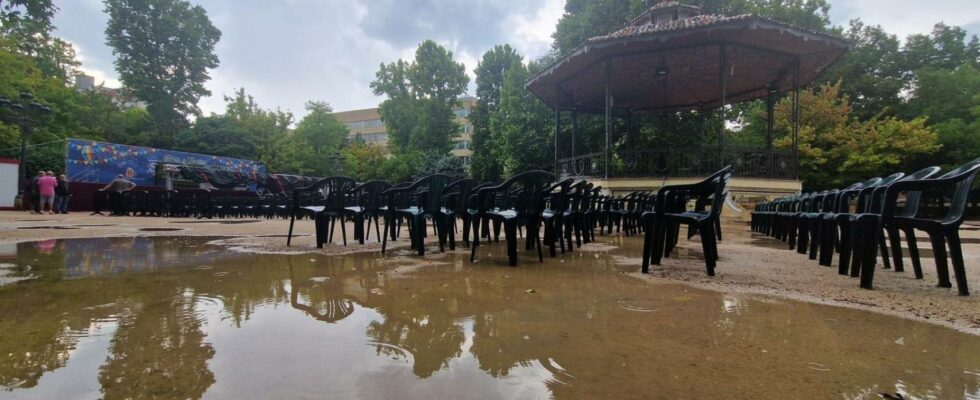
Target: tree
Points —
{"points": [[364, 161], [320, 129], [418, 112], [486, 162], [873, 72], [218, 135], [836, 149], [164, 49], [28, 24], [951, 101], [944, 48], [261, 127], [523, 124]]}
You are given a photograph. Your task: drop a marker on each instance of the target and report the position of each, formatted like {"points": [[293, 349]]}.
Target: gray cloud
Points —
{"points": [[474, 24], [291, 51]]}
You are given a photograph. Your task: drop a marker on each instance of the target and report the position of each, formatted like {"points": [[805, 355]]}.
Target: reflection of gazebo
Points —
{"points": [[673, 58]]}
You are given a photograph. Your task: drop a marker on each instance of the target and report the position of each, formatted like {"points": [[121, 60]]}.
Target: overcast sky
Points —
{"points": [[286, 52]]}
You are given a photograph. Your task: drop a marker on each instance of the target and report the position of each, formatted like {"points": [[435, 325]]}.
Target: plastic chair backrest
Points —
{"points": [[333, 191], [912, 199], [529, 189], [963, 176], [369, 195], [460, 192], [429, 190]]}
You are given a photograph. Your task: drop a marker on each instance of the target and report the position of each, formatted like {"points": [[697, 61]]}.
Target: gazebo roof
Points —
{"points": [[670, 58]]}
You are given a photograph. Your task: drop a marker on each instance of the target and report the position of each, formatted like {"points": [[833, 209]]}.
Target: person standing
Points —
{"points": [[46, 185], [35, 193], [116, 189], [61, 195]]}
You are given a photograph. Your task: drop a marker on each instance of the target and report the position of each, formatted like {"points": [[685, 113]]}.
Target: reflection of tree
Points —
{"points": [[158, 352], [30, 348], [432, 340]]}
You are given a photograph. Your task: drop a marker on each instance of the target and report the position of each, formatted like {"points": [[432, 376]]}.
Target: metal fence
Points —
{"points": [[682, 163]]}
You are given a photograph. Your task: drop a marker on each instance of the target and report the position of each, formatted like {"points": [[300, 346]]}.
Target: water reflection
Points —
{"points": [[276, 326]]}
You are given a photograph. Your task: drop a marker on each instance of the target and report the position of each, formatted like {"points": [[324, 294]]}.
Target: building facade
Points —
{"points": [[366, 124]]}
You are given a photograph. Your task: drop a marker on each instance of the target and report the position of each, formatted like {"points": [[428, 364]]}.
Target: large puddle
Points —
{"points": [[177, 318]]}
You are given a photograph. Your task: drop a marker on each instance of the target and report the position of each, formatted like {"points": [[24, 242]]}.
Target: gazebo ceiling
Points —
{"points": [[676, 64]]}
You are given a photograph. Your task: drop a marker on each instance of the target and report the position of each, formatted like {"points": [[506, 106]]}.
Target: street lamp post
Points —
{"points": [[26, 113]]}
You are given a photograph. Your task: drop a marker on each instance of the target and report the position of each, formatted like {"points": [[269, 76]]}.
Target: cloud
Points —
{"points": [[288, 52], [299, 50], [906, 17]]}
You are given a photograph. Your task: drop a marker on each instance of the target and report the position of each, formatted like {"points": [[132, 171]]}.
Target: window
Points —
{"points": [[461, 145], [371, 123], [467, 128], [373, 137], [462, 112]]}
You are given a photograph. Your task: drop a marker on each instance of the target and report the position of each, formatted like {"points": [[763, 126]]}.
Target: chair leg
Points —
{"points": [[476, 239], [510, 234], [896, 243], [707, 236], [537, 239], [846, 247], [417, 233], [827, 242], [377, 232], [883, 248], [956, 251], [452, 232], [343, 229], [914, 252], [647, 245], [384, 241], [939, 253], [289, 237], [869, 226]]}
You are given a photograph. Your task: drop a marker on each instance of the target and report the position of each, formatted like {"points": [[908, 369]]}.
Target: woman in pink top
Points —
{"points": [[46, 185]]}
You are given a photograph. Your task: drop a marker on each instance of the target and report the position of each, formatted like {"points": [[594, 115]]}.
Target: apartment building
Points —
{"points": [[367, 125]]}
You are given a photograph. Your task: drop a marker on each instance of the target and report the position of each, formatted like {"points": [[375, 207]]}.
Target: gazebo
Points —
{"points": [[673, 58]]}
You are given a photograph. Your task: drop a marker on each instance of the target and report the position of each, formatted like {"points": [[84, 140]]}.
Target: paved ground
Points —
{"points": [[749, 262]]}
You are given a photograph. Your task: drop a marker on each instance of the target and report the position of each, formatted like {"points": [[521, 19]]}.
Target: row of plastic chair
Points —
{"points": [[860, 221], [195, 203], [563, 214]]}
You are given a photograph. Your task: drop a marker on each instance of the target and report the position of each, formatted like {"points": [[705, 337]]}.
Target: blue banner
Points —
{"points": [[97, 162]]}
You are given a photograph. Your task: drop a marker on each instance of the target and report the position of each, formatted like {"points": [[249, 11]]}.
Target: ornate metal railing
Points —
{"points": [[682, 163]]}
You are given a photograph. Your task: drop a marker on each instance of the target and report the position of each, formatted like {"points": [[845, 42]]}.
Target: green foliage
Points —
{"points": [[402, 167], [836, 149], [587, 18], [88, 115], [873, 72], [217, 135], [320, 130], [486, 162], [27, 23], [441, 163], [163, 50], [944, 48], [364, 161], [523, 126], [418, 113]]}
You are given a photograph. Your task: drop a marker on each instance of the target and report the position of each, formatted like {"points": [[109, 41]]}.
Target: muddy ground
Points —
{"points": [[750, 263]]}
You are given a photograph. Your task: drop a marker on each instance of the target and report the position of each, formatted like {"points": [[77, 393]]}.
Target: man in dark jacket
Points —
{"points": [[61, 195]]}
